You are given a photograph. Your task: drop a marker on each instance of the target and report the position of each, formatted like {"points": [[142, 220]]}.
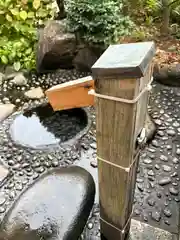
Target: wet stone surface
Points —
{"points": [[157, 194]]}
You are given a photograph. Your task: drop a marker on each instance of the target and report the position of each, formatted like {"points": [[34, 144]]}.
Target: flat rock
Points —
{"points": [[36, 93], [55, 207], [19, 80], [6, 110]]}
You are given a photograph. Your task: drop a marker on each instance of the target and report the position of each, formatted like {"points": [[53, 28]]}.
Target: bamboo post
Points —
{"points": [[123, 72]]}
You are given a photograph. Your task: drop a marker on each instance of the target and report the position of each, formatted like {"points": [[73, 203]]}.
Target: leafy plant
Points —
{"points": [[19, 20], [98, 22]]}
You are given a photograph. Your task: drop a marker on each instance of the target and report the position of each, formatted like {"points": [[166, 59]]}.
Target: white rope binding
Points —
{"points": [[147, 88]]}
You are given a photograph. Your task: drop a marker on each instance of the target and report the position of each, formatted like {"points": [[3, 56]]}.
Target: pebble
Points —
{"points": [[40, 169], [2, 209], [155, 143], [164, 158], [90, 225], [93, 145], [178, 151], [93, 164], [151, 173], [155, 215], [151, 202], [147, 161], [171, 132], [175, 160], [157, 167], [164, 181], [2, 200], [166, 168], [55, 163], [173, 191], [167, 212], [140, 187], [175, 174]]}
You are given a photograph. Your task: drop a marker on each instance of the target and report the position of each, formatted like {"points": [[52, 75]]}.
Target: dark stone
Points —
{"points": [[167, 75], [56, 206], [56, 47], [86, 57]]}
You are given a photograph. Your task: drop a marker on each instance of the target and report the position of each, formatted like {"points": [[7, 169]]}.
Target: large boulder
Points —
{"points": [[86, 57], [55, 207], [56, 48]]}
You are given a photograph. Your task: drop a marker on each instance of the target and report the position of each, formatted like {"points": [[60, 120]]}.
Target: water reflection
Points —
{"points": [[42, 126]]}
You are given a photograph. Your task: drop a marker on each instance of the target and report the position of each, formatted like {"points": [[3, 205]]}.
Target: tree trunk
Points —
{"points": [[165, 18], [62, 13]]}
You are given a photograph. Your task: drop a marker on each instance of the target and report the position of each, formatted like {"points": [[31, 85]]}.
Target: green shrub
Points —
{"points": [[18, 29], [98, 21]]}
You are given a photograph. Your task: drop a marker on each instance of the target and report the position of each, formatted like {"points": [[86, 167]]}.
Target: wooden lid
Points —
{"points": [[125, 60]]}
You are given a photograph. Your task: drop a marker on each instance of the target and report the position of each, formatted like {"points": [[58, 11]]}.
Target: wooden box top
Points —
{"points": [[125, 60]]}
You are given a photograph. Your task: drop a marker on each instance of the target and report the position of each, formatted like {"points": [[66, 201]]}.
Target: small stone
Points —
{"points": [[158, 122], [2, 200], [19, 187], [167, 222], [36, 93], [173, 191], [164, 158], [137, 212], [175, 174], [93, 145], [84, 146], [2, 209], [93, 164], [164, 181], [160, 133], [178, 151], [151, 202], [90, 225], [11, 163], [40, 170], [167, 212], [176, 124], [155, 143], [156, 216], [147, 161], [151, 173], [177, 199], [157, 167], [159, 195], [175, 160], [55, 163], [166, 168], [139, 180], [175, 184], [19, 80], [171, 132], [140, 187], [6, 110], [25, 165]]}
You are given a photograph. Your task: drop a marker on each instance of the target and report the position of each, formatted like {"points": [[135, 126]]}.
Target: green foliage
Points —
{"points": [[98, 22], [18, 22]]}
